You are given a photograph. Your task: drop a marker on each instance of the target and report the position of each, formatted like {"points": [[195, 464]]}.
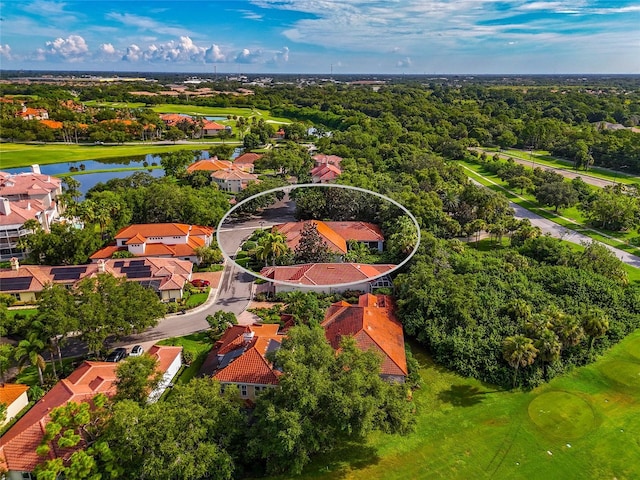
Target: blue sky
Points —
{"points": [[317, 36]]}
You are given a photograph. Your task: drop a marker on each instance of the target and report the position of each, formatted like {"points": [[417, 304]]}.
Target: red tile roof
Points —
{"points": [[360, 231], [234, 173], [325, 273], [249, 364], [322, 159], [335, 234], [209, 165], [18, 445], [325, 172], [153, 230], [373, 325], [40, 275], [248, 158], [210, 125]]}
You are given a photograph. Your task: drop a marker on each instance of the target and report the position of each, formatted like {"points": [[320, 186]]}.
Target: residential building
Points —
{"points": [[209, 165], [164, 240], [18, 446], [326, 277], [325, 173], [25, 196], [240, 358], [247, 161], [29, 113], [169, 362], [166, 276], [14, 397], [233, 179], [210, 128], [323, 159], [373, 325], [335, 234]]}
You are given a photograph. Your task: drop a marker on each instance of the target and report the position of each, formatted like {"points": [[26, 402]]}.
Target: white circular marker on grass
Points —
{"points": [[287, 189]]}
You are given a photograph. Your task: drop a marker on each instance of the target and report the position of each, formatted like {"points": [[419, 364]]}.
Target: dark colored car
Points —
{"points": [[199, 283], [117, 355]]}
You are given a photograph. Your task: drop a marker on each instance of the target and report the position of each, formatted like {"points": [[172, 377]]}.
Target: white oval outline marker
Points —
{"points": [[287, 189]]}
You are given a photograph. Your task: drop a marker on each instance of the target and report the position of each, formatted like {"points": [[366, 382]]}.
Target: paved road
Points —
{"points": [[598, 182], [234, 291], [558, 231]]}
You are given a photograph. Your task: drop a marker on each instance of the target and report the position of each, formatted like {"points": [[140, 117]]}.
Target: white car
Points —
{"points": [[136, 351]]}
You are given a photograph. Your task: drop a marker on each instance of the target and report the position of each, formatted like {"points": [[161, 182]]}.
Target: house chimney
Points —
{"points": [[28, 205], [35, 168], [5, 206], [102, 266], [15, 264], [248, 336]]}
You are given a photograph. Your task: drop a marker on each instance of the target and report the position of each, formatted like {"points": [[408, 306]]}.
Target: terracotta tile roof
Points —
{"points": [[360, 231], [153, 230], [210, 125], [248, 158], [175, 118], [137, 239], [325, 273], [293, 232], [243, 359], [9, 392], [233, 174], [28, 184], [209, 165], [322, 159], [373, 325], [18, 445], [40, 275], [326, 172], [165, 355]]}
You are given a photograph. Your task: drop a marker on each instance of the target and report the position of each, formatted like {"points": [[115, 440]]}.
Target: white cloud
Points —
{"points": [[214, 54], [107, 51], [281, 56], [404, 63], [133, 53], [70, 49], [250, 15], [247, 56], [5, 51], [146, 24]]}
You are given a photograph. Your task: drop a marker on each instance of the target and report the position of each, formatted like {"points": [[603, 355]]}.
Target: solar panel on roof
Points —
{"points": [[119, 264], [17, 283], [139, 274], [136, 262], [67, 276], [75, 269]]}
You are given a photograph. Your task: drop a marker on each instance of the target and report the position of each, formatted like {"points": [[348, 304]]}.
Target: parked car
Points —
{"points": [[117, 355], [136, 351], [199, 283]]}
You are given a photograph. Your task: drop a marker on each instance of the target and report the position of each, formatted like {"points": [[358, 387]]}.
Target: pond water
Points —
{"points": [[89, 180], [213, 119]]}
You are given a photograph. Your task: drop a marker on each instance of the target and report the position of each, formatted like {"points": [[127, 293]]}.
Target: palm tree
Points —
{"points": [[518, 351], [567, 327], [549, 348], [595, 324], [29, 349], [272, 246], [537, 324]]}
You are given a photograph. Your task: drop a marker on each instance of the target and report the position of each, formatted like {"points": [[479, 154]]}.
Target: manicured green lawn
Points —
{"points": [[199, 345], [21, 155], [583, 425], [197, 299], [543, 158], [27, 312], [571, 218]]}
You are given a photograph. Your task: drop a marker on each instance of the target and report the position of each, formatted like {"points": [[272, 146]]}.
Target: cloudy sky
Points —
{"points": [[319, 36]]}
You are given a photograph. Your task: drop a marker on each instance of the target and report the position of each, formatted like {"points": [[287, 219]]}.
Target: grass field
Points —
{"points": [[543, 158], [199, 345], [583, 425], [571, 218], [22, 155]]}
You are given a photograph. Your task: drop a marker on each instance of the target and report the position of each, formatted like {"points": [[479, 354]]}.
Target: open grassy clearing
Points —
{"points": [[542, 157], [581, 425], [22, 155], [571, 218], [198, 344]]}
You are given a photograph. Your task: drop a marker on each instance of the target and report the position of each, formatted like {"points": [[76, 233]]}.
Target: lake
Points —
{"points": [[89, 180]]}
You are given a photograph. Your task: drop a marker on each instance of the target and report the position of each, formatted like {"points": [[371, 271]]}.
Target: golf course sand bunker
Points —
{"points": [[562, 415]]}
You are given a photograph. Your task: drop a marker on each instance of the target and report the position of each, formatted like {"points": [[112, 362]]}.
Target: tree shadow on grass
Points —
{"points": [[462, 395], [347, 456]]}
